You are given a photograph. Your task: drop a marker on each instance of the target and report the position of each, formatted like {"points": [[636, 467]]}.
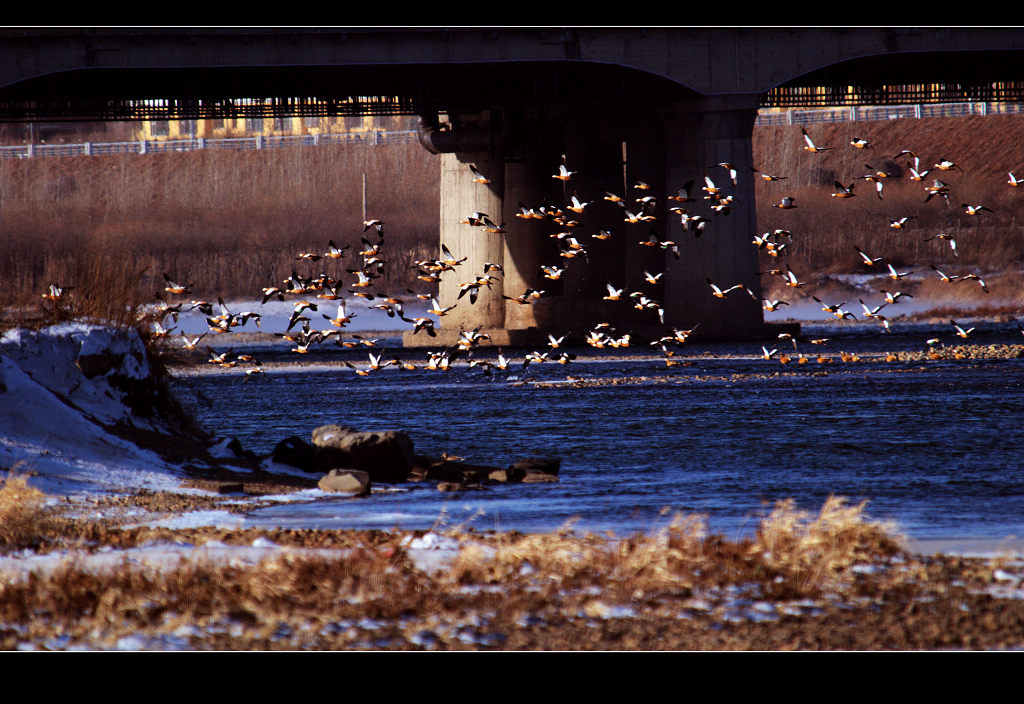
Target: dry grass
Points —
{"points": [[826, 228], [228, 222], [814, 553], [515, 591], [793, 552], [24, 520], [641, 562]]}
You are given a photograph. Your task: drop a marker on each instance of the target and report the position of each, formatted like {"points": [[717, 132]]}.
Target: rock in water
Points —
{"points": [[295, 452], [536, 470], [387, 456]]}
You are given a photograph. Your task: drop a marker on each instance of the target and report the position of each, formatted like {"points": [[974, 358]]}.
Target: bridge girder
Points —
{"points": [[49, 74]]}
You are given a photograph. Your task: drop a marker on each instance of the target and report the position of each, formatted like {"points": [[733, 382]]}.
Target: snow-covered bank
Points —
{"points": [[63, 392]]}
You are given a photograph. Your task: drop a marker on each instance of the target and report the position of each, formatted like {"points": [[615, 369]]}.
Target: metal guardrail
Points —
{"points": [[790, 116], [806, 116], [187, 145]]}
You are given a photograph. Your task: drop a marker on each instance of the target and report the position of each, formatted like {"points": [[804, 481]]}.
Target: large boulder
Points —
{"points": [[387, 456], [104, 372]]}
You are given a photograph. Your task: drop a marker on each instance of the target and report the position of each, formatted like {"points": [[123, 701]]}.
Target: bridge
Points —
{"points": [[662, 105]]}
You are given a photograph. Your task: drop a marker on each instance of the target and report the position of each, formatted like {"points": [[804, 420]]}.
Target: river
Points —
{"points": [[935, 446]]}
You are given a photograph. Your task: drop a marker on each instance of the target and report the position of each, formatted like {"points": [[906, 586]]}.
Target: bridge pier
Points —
{"points": [[610, 151], [463, 197], [699, 135]]}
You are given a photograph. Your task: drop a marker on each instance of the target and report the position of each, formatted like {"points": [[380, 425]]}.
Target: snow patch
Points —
{"points": [[59, 389]]}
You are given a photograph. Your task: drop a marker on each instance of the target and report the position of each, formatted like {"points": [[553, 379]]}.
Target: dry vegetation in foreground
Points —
{"points": [[832, 581], [23, 522]]}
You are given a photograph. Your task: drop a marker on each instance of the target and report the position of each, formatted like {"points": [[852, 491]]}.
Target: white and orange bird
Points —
{"points": [[578, 206], [437, 309], [811, 146], [174, 287], [947, 238], [870, 261], [791, 280], [767, 177], [731, 169], [974, 209], [333, 251], [709, 187], [614, 294], [683, 194], [901, 223], [722, 293], [960, 331], [342, 318], [56, 292], [947, 165], [844, 191], [897, 275], [477, 176], [946, 278], [974, 277], [564, 174]]}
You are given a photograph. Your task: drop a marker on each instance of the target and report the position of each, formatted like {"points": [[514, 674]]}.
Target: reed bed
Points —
{"points": [[232, 222], [229, 222], [826, 229]]}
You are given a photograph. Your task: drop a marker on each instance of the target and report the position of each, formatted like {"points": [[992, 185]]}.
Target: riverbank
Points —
{"points": [[137, 540], [832, 581]]}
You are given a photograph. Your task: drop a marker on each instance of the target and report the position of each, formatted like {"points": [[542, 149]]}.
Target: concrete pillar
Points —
{"points": [[461, 197], [699, 134], [573, 304], [527, 244], [645, 163], [611, 150]]}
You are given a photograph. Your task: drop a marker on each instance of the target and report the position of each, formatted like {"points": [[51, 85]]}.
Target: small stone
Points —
{"points": [[346, 481], [535, 476], [458, 486], [499, 475]]}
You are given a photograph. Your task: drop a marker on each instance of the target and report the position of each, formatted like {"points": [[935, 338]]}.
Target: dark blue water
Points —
{"points": [[936, 446]]}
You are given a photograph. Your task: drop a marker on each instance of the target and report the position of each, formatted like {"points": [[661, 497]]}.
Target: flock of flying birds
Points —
{"points": [[312, 294], [938, 188]]}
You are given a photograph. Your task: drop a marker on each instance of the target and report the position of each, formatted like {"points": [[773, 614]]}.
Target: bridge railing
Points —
{"points": [[806, 116], [791, 116], [27, 151]]}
